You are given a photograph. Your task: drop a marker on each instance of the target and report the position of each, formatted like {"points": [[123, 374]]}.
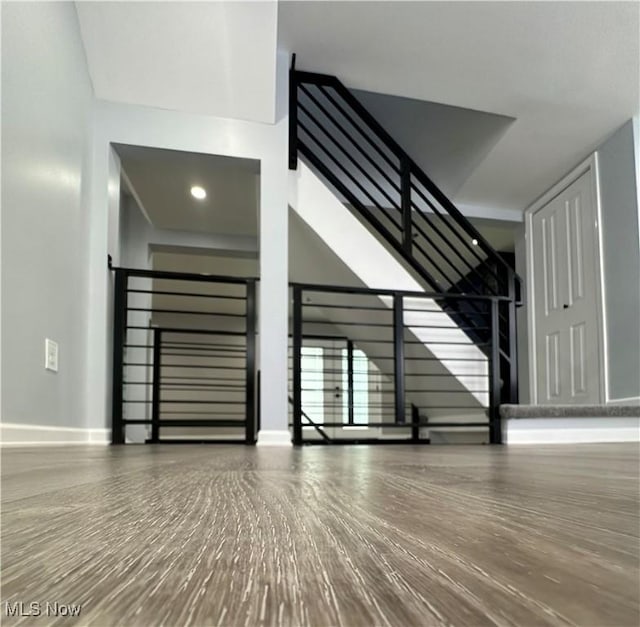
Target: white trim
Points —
{"points": [[570, 430], [13, 434], [600, 285], [635, 121], [629, 400], [588, 165], [269, 437]]}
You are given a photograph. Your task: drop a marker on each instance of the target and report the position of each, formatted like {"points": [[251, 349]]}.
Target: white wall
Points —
{"points": [[621, 260], [47, 97]]}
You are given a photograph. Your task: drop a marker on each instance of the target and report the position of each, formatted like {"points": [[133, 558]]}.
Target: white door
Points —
{"points": [[565, 306]]}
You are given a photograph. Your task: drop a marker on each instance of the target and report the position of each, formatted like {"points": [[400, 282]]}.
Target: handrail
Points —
{"points": [[342, 289]]}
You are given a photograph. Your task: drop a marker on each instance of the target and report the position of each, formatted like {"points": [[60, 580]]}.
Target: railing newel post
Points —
{"points": [[297, 365], [495, 433], [398, 357], [119, 337], [250, 363], [156, 385]]}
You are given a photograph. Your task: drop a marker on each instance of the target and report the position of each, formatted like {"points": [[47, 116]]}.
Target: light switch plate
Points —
{"points": [[51, 355]]}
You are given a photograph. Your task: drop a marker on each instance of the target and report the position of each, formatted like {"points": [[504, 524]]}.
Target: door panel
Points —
{"points": [[565, 315], [578, 360], [552, 361], [550, 260]]}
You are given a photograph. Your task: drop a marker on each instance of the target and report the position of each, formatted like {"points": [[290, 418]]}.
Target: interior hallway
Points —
{"points": [[389, 535]]}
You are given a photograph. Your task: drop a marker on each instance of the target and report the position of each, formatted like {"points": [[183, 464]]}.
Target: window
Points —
{"points": [[312, 382]]}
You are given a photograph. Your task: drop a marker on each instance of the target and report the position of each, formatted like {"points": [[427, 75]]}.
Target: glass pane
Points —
{"points": [[312, 382], [360, 388]]}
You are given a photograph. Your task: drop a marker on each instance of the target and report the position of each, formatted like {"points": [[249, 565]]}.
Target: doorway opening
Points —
{"points": [[185, 303]]}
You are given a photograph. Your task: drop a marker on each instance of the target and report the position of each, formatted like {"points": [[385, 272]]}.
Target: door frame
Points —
{"points": [[588, 165]]}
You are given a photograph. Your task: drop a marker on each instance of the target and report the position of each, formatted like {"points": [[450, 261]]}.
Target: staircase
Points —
{"points": [[400, 207]]}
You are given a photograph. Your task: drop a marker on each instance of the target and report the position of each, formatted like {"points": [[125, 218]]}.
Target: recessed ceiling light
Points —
{"points": [[473, 241], [199, 193]]}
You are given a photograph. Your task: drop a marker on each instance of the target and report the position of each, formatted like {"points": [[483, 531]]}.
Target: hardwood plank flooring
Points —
{"points": [[233, 535]]}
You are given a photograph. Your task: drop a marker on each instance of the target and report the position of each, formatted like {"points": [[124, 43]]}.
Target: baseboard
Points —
{"points": [[570, 430], [13, 434], [267, 437], [631, 400]]}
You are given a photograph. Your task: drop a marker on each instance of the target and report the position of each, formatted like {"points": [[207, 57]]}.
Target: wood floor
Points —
{"points": [[228, 535]]}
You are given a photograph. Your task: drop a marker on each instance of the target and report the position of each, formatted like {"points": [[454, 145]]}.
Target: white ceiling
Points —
{"points": [[162, 180], [567, 71], [217, 58]]}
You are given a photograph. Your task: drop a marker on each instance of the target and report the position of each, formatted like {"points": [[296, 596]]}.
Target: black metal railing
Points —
{"points": [[423, 374], [184, 361], [335, 134]]}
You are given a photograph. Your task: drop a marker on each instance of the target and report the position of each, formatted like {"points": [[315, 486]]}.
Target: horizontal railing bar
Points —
{"points": [[420, 390], [177, 422], [203, 388], [185, 276], [441, 312], [202, 413], [341, 289], [351, 324], [167, 377], [199, 440], [187, 312], [202, 356], [205, 346], [145, 364], [402, 425], [349, 307], [480, 359], [185, 423], [165, 401], [178, 331], [188, 294], [465, 391], [201, 366]]}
